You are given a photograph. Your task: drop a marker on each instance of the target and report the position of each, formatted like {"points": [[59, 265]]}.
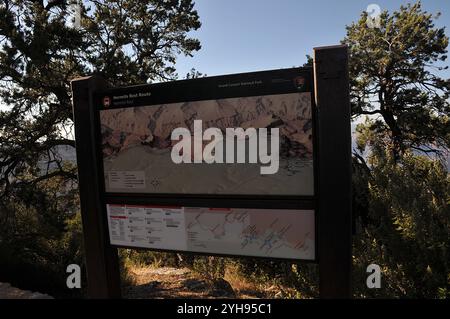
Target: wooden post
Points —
{"points": [[334, 170], [102, 263]]}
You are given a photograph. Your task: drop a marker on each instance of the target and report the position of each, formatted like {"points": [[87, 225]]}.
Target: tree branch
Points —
{"points": [[363, 163], [371, 112], [60, 173]]}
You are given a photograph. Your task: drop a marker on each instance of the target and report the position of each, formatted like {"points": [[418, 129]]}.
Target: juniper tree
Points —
{"points": [[394, 75], [400, 196], [42, 49]]}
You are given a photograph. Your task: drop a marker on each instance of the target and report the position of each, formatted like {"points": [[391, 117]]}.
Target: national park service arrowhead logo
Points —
{"points": [[299, 82], [106, 101]]}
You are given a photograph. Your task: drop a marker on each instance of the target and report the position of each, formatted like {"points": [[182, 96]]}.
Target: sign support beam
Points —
{"points": [[101, 258], [335, 171]]}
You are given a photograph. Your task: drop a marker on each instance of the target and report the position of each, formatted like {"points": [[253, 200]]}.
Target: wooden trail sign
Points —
{"points": [[159, 169]]}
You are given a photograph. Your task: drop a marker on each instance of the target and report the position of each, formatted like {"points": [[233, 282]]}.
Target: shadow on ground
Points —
{"points": [[182, 283]]}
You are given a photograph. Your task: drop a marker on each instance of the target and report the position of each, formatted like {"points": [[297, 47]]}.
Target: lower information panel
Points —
{"points": [[276, 233]]}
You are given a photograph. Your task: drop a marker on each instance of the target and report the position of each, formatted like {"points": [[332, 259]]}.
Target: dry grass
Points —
{"points": [[168, 282]]}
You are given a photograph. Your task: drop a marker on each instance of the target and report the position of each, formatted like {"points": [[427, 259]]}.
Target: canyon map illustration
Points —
{"points": [[136, 147]]}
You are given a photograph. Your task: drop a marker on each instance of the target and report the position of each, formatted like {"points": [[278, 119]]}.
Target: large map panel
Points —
{"points": [[136, 147]]}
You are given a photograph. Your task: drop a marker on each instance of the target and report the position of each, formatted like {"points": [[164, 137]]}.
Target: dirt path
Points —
{"points": [[169, 282]]}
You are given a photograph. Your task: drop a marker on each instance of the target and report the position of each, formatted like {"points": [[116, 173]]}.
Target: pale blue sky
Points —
{"points": [[250, 35]]}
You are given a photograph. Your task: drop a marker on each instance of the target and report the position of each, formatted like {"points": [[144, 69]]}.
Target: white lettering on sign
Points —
{"points": [[126, 179]]}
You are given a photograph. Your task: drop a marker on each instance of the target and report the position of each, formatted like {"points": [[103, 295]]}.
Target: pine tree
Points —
{"points": [[44, 45], [394, 72], [42, 49]]}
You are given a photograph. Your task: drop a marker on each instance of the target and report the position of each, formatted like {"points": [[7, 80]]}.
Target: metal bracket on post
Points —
{"points": [[334, 169], [102, 263]]}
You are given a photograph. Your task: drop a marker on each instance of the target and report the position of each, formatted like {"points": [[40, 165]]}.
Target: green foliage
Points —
{"points": [[136, 41], [400, 196], [141, 258], [211, 267], [406, 231], [39, 238], [127, 42], [302, 277], [394, 75]]}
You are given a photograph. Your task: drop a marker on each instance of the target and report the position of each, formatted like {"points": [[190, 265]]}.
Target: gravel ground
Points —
{"points": [[9, 292]]}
